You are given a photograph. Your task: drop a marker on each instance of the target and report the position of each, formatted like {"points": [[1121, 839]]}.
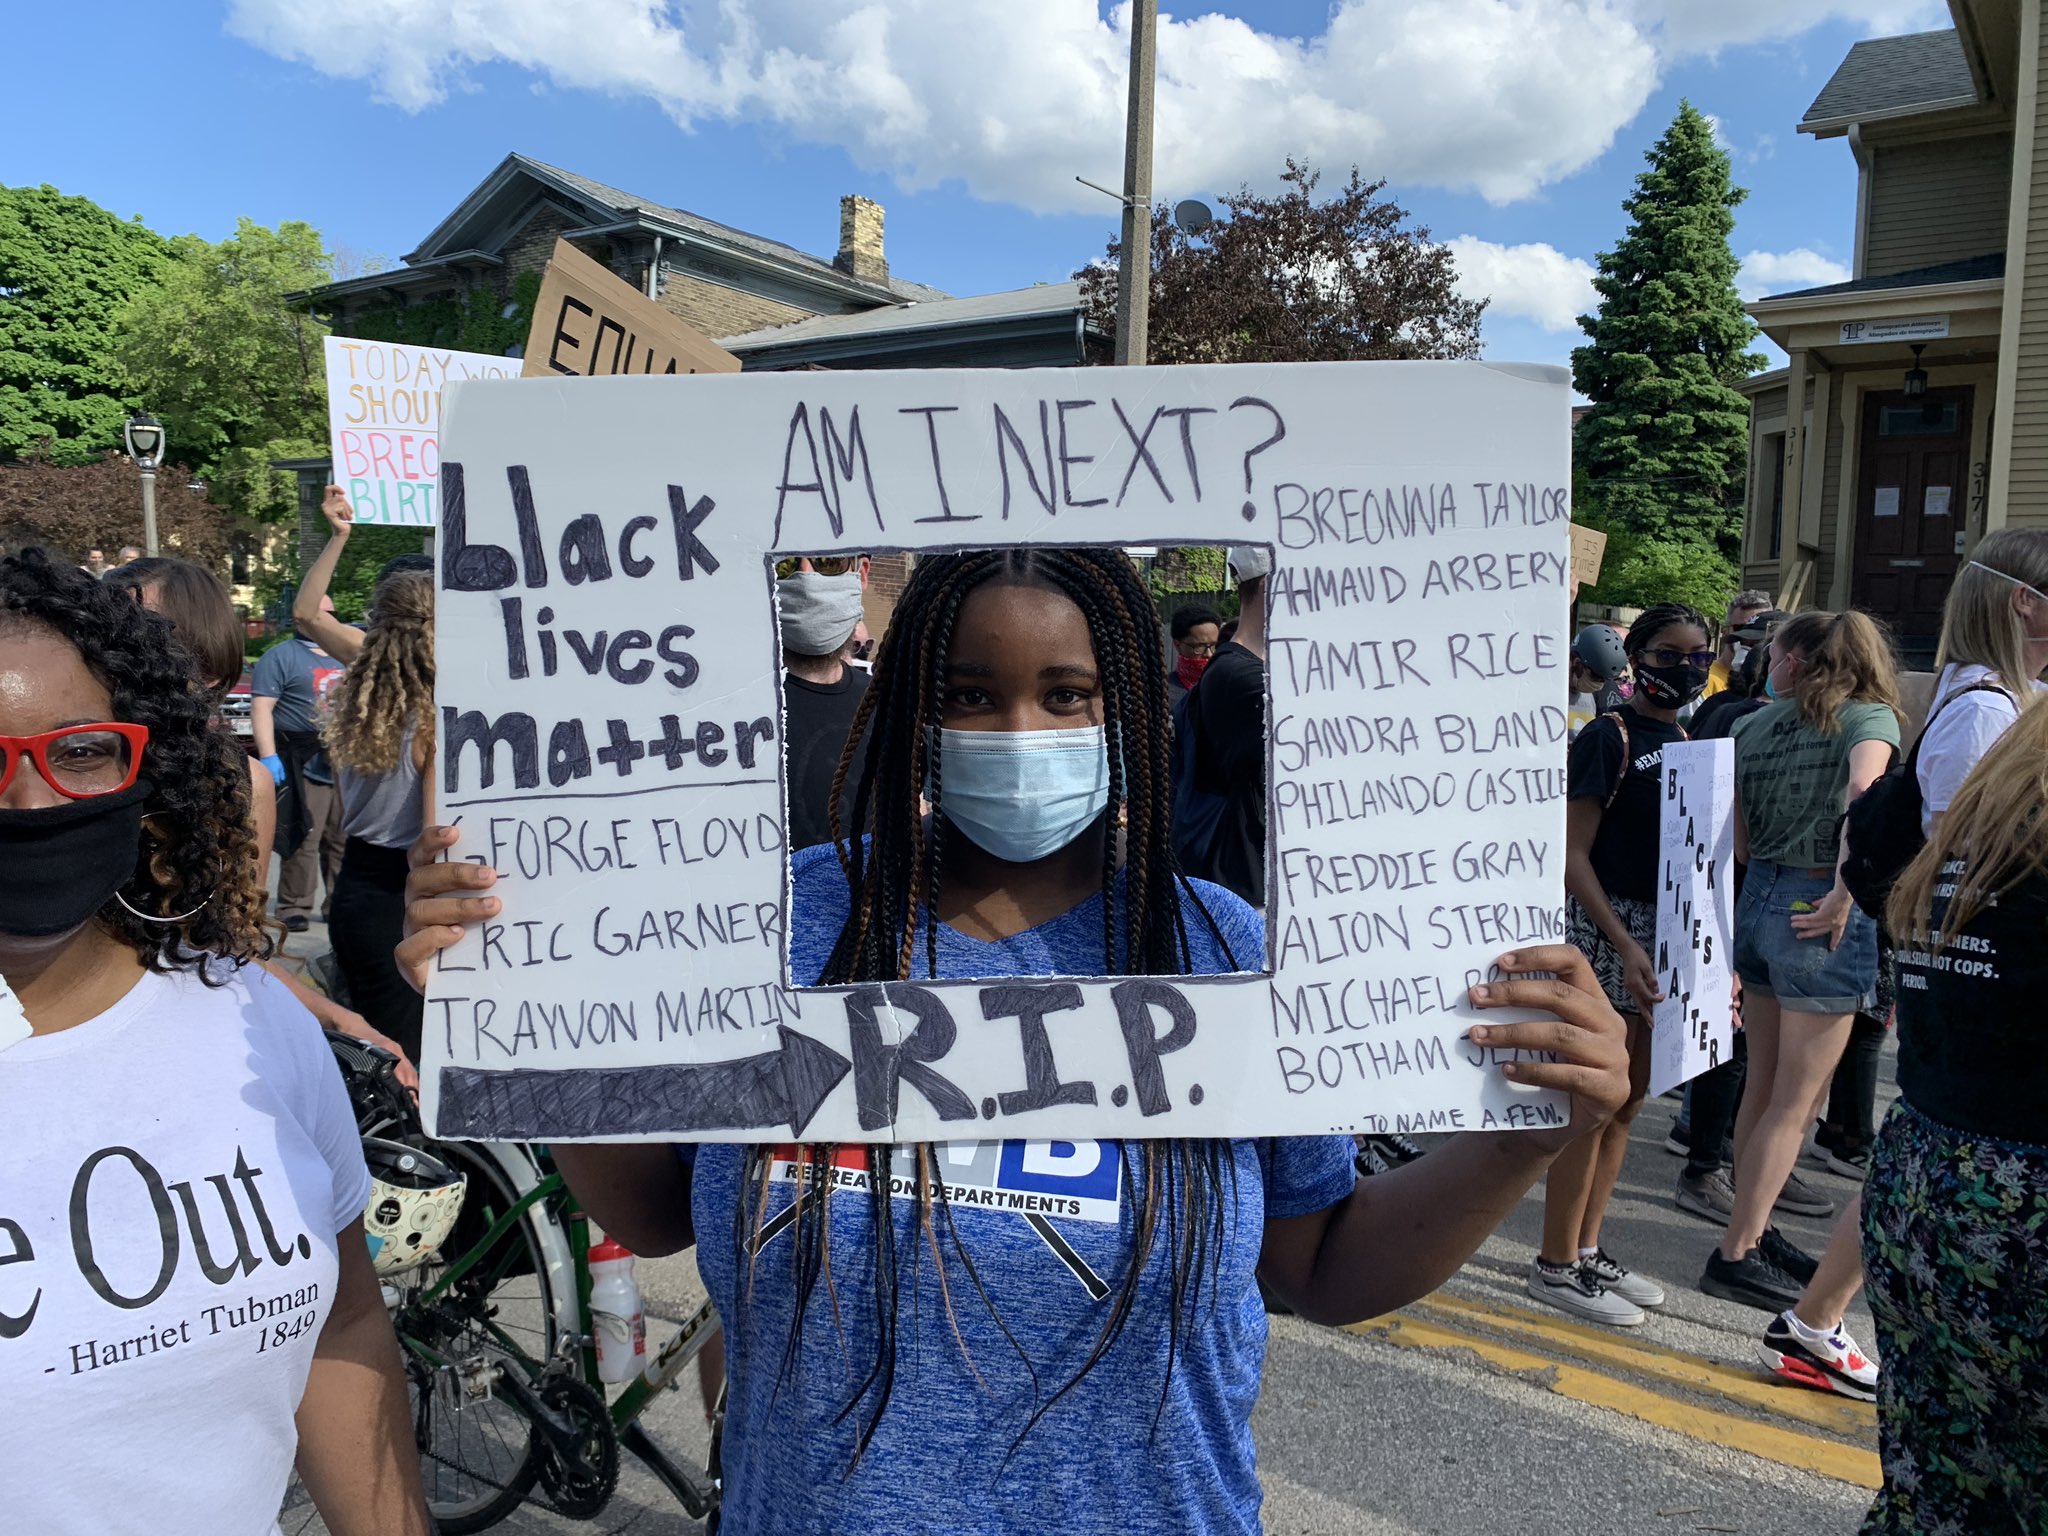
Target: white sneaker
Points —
{"points": [[1573, 1290], [1640, 1289]]}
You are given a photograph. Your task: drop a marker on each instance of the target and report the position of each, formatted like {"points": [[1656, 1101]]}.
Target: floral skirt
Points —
{"points": [[1955, 1248]]}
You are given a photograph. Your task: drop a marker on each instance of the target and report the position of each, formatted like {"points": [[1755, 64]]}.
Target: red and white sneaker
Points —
{"points": [[1827, 1362]]}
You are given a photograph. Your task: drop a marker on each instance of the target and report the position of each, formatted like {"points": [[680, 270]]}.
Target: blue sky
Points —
{"points": [[1514, 126]]}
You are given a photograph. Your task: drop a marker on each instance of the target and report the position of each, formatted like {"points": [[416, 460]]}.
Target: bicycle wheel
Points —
{"points": [[504, 1316]]}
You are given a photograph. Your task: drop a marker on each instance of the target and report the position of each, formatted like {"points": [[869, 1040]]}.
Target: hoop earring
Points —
{"points": [[148, 919]]}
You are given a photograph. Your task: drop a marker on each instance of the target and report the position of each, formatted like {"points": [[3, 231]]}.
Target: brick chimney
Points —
{"points": [[860, 240]]}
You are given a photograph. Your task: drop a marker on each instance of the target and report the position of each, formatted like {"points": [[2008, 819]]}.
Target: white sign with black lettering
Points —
{"points": [[610, 721], [1694, 1026]]}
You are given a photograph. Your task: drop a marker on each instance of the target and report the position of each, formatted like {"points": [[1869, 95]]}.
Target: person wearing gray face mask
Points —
{"points": [[818, 603]]}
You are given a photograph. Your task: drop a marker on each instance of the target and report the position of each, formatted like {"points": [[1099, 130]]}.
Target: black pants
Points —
{"points": [[1852, 1100], [368, 919], [1716, 1094]]}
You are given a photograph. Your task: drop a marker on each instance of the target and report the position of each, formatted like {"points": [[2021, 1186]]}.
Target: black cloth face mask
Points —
{"points": [[1672, 687], [60, 864]]}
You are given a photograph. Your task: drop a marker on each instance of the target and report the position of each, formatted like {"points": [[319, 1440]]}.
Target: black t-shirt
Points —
{"points": [[1625, 847], [1717, 717], [1228, 710], [1971, 1032], [815, 720]]}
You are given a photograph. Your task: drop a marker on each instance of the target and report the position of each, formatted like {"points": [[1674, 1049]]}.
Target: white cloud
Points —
{"points": [[1538, 283], [1013, 98], [1766, 272], [1707, 26]]}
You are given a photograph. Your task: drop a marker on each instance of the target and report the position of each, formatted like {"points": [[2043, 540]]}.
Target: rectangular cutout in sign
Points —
{"points": [[611, 731]]}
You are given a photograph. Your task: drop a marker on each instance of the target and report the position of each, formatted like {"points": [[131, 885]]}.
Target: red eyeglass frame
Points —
{"points": [[36, 748]]}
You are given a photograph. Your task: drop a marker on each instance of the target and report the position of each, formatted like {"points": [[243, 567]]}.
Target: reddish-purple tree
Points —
{"points": [[73, 508]]}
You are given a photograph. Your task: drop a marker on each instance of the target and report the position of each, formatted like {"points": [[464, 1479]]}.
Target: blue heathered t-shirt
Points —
{"points": [[977, 1354]]}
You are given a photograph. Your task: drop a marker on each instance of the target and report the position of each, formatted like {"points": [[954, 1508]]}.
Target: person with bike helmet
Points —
{"points": [[942, 1365], [187, 1304], [1599, 675], [1615, 795]]}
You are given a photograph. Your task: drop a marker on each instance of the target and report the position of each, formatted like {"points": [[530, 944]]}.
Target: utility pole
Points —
{"points": [[1134, 268]]}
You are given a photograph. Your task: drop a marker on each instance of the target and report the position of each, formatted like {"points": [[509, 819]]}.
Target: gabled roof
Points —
{"points": [[1046, 316], [1894, 77], [609, 206], [1977, 269]]}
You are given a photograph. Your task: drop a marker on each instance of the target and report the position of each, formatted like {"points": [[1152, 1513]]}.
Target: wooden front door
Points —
{"points": [[1912, 491]]}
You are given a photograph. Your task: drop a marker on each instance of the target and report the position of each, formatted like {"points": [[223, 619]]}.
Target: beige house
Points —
{"points": [[1921, 383]]}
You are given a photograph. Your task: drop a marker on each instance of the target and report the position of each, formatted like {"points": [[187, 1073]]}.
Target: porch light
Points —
{"points": [[1916, 377]]}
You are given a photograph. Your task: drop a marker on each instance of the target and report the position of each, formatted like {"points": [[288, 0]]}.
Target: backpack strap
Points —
{"points": [[1913, 757], [1620, 725]]}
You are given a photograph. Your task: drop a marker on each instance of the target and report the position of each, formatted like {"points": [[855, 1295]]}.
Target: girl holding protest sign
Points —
{"points": [[1615, 797], [906, 1356], [186, 1303]]}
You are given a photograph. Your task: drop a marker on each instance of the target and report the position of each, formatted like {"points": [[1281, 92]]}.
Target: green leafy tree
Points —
{"points": [[233, 366], [1664, 449], [1293, 279], [67, 268]]}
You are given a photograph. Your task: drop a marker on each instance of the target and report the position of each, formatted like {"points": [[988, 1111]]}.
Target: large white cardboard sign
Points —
{"points": [[610, 727], [1694, 1027], [384, 423]]}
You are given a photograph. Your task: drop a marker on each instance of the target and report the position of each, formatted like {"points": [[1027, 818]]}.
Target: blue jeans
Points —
{"points": [[1804, 974]]}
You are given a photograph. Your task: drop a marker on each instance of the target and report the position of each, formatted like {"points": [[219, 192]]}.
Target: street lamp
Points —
{"points": [[145, 436]]}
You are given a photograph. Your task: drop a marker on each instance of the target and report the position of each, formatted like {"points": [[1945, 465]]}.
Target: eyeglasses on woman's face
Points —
{"points": [[78, 761], [1665, 656], [824, 565]]}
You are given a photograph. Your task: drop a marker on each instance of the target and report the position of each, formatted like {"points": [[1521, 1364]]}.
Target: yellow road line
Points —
{"points": [[1823, 1410], [1848, 1464]]}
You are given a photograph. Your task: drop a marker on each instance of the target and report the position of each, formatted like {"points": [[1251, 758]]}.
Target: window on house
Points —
{"points": [[1771, 482], [1933, 420]]}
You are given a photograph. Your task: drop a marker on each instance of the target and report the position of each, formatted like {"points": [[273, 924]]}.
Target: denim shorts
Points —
{"points": [[1804, 974]]}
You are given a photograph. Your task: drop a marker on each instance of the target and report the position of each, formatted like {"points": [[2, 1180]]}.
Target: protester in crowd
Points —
{"points": [[1994, 628], [130, 553], [205, 623], [1226, 745], [1743, 613], [818, 609], [1197, 630], [128, 917], [287, 693], [379, 736], [95, 563], [1806, 958], [1599, 676], [1053, 1393], [1615, 792], [1957, 1201]]}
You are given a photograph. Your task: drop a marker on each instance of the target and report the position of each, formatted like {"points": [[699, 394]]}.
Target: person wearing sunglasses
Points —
{"points": [[818, 612], [1614, 791], [186, 1299]]}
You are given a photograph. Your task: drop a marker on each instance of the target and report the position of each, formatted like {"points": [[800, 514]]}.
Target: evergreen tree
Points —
{"points": [[1665, 447], [67, 267]]}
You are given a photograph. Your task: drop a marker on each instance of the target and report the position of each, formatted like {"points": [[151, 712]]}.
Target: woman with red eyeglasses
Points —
{"points": [[186, 1298]]}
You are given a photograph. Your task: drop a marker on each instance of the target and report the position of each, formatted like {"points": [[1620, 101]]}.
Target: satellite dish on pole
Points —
{"points": [[1192, 216]]}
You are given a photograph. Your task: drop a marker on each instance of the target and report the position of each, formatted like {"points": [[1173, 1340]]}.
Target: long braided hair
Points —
{"points": [[197, 850], [390, 688], [892, 857]]}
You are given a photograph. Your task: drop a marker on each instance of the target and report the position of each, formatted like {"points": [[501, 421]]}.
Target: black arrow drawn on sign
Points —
{"points": [[754, 1093]]}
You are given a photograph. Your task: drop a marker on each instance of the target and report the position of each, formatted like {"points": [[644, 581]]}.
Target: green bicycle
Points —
{"points": [[499, 1345]]}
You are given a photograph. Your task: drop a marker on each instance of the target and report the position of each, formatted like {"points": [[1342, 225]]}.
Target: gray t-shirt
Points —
{"points": [[383, 808], [1793, 780]]}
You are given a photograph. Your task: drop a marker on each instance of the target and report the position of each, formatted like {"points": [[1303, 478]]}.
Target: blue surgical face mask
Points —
{"points": [[1022, 795], [1770, 686]]}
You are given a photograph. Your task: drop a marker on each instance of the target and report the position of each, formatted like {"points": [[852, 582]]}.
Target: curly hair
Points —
{"points": [[390, 687], [197, 850], [1657, 618]]}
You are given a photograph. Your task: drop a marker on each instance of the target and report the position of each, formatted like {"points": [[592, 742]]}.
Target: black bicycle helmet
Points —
{"points": [[1600, 651]]}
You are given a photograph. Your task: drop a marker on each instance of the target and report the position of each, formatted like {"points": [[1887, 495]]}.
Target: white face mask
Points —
{"points": [[1022, 795], [1741, 655]]}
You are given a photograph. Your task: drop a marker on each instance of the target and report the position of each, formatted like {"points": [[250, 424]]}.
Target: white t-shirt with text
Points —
{"points": [[172, 1177], [1959, 735]]}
